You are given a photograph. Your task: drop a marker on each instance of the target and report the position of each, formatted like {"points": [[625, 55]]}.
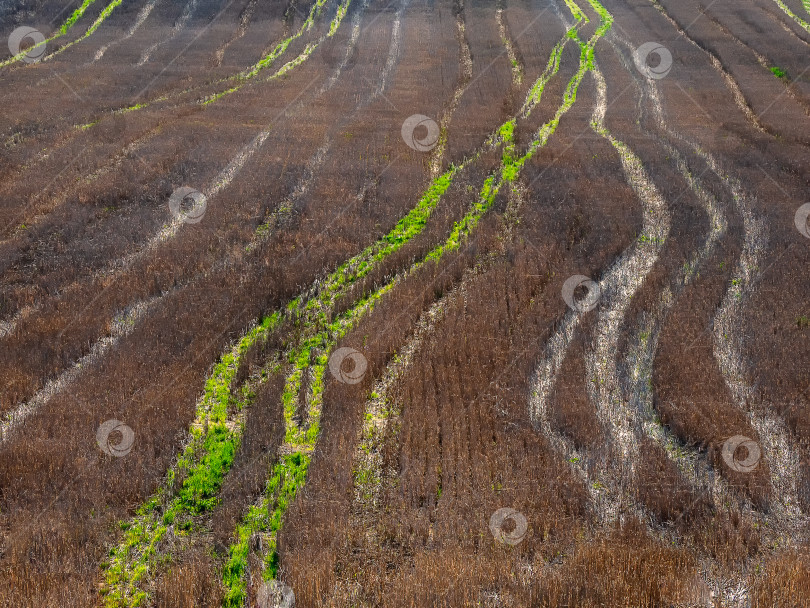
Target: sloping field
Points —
{"points": [[492, 303]]}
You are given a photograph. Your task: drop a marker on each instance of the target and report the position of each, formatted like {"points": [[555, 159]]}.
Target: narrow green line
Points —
{"points": [[93, 27], [77, 14], [74, 17]]}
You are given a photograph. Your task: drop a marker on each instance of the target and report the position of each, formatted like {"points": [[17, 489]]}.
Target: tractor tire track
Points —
{"points": [[558, 345], [223, 180], [762, 60], [465, 76], [240, 78], [123, 577], [785, 27], [55, 202], [770, 428], [213, 435], [801, 22], [244, 21], [178, 26], [778, 446], [736, 92], [511, 49], [121, 326], [381, 417], [607, 383], [143, 14], [626, 418], [642, 352], [618, 288]]}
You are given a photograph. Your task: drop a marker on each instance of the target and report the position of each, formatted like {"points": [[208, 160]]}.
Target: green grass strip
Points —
{"points": [[77, 14], [202, 466], [93, 27], [74, 17], [302, 57]]}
